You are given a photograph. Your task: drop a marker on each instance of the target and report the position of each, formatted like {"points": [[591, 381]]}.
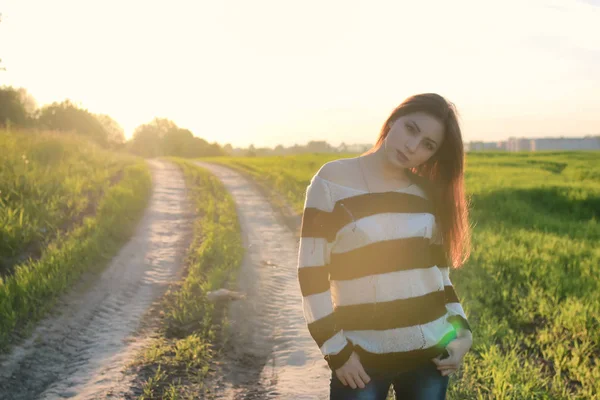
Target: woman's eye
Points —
{"points": [[410, 128]]}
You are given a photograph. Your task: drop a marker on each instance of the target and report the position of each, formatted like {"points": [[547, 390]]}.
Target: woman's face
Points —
{"points": [[418, 136]]}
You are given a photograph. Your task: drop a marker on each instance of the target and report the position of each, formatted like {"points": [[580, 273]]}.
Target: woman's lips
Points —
{"points": [[401, 156]]}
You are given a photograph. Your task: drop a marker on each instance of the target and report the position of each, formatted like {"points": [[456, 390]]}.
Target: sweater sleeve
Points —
{"points": [[316, 236], [457, 316]]}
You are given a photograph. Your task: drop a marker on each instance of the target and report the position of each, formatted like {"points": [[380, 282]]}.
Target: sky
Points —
{"points": [[287, 72]]}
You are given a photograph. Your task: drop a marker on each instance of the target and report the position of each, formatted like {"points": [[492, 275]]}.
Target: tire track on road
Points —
{"points": [[82, 349], [271, 354]]}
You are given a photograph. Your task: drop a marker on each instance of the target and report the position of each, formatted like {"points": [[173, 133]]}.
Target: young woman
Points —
{"points": [[379, 235]]}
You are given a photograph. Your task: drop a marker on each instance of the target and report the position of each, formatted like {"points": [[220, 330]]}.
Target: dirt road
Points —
{"points": [[80, 350], [272, 355]]}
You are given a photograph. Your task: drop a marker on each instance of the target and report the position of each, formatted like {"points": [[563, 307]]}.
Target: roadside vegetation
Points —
{"points": [[66, 207]]}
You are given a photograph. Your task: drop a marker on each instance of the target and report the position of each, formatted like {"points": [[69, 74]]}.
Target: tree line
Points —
{"points": [[159, 137]]}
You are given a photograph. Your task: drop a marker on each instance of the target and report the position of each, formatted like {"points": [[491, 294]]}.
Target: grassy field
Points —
{"points": [[531, 287], [66, 207]]}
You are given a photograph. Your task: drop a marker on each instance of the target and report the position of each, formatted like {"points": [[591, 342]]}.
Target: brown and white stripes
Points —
{"points": [[374, 278]]}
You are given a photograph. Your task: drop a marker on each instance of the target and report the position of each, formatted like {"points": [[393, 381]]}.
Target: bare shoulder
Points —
{"points": [[335, 171]]}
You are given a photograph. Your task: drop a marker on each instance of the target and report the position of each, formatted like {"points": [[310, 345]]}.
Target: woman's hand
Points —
{"points": [[457, 350], [352, 373]]}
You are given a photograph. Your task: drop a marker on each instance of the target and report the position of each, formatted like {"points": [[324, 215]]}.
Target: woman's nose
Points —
{"points": [[411, 145]]}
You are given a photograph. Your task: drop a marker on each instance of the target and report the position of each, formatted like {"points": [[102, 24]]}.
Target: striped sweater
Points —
{"points": [[374, 278]]}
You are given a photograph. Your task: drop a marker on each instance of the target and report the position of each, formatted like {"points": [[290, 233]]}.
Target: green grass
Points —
{"points": [[176, 363], [530, 288], [55, 186], [47, 180]]}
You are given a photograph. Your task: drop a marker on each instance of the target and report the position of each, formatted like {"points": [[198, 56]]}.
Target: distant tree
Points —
{"points": [[215, 149], [163, 126], [146, 140], [114, 131], [68, 117], [177, 142], [199, 147], [14, 107], [162, 137], [318, 146], [251, 152]]}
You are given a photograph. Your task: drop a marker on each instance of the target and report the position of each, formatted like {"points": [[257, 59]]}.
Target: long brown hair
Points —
{"points": [[442, 176]]}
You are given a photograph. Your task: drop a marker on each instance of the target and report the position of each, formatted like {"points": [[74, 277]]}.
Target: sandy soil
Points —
{"points": [[271, 354], [80, 350]]}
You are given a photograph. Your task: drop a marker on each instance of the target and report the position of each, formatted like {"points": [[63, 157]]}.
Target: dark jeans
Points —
{"points": [[423, 383]]}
